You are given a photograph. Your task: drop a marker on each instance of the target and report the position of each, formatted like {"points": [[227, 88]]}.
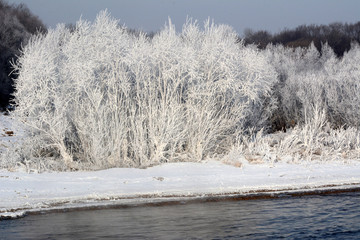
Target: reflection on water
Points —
{"points": [[323, 216]]}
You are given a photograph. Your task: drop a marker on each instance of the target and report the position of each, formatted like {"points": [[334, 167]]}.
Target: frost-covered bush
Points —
{"points": [[308, 78], [318, 106], [291, 64], [314, 140], [100, 97], [342, 88]]}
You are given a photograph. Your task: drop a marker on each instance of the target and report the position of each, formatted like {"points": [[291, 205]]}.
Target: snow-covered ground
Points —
{"points": [[10, 132], [22, 192]]}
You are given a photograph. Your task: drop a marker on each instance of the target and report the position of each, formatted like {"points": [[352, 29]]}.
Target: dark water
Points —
{"points": [[322, 216]]}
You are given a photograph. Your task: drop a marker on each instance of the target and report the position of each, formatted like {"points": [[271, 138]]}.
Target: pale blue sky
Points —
{"points": [[151, 15]]}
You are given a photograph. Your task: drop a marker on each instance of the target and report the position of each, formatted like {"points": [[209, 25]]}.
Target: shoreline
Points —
{"points": [[155, 201], [168, 184]]}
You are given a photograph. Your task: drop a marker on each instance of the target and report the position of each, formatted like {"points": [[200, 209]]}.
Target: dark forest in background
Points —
{"points": [[17, 24], [339, 36]]}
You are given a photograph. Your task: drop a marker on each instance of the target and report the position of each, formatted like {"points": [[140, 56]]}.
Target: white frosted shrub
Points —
{"points": [[291, 65], [318, 97], [98, 97], [313, 140], [309, 79], [342, 83]]}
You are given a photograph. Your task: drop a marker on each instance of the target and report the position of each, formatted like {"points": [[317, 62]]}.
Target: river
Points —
{"points": [[326, 216]]}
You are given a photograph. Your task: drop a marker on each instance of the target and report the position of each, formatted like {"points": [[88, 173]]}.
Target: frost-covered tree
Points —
{"points": [[99, 96]]}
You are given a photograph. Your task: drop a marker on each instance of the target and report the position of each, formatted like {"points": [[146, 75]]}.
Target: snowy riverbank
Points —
{"points": [[21, 193]]}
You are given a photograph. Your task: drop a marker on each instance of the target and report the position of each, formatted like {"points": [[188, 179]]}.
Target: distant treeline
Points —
{"points": [[339, 37], [17, 24]]}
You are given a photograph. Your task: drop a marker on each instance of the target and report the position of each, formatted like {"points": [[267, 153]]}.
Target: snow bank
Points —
{"points": [[21, 192]]}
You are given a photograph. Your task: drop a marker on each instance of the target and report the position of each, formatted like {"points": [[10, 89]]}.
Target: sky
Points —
{"points": [[151, 15]]}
